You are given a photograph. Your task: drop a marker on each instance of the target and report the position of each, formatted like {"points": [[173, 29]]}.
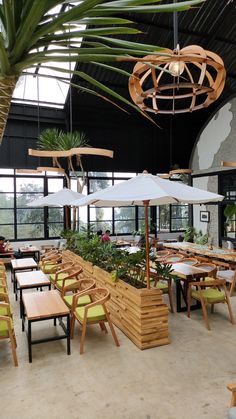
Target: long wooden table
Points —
{"points": [[186, 273], [203, 250]]}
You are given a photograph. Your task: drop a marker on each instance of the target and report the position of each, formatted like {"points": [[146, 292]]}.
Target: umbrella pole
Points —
{"points": [[146, 205], [74, 218]]}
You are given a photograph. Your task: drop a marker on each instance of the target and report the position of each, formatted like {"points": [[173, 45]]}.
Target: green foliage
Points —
{"points": [[164, 270], [193, 236], [130, 267], [230, 210], [54, 139], [189, 234], [200, 238]]}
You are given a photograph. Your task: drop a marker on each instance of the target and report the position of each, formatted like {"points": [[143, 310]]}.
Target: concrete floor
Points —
{"points": [[184, 380]]}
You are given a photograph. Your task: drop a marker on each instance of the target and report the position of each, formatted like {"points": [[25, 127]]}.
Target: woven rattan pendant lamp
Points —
{"points": [[178, 81]]}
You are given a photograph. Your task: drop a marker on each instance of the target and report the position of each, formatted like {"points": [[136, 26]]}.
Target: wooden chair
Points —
{"points": [[229, 275], [164, 285], [160, 254], [71, 292], [209, 292], [94, 313], [71, 296], [7, 328], [174, 258], [60, 270], [190, 261], [209, 267], [232, 410], [49, 263], [72, 276]]}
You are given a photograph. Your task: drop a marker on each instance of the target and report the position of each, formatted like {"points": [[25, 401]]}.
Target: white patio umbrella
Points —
{"points": [[63, 197], [147, 189], [58, 199]]}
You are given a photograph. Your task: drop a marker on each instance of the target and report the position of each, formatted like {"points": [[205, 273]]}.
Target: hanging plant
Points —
{"points": [[58, 140]]}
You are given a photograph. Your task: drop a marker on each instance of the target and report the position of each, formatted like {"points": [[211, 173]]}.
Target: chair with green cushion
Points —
{"points": [[164, 285], [94, 313], [70, 293], [72, 276], [60, 271], [7, 329], [3, 285], [49, 263], [209, 292]]}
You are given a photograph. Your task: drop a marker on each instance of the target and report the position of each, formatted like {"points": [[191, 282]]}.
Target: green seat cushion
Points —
{"points": [[82, 301], [48, 268], [4, 328], [210, 295], [60, 276], [4, 311], [95, 313], [66, 283], [161, 286]]}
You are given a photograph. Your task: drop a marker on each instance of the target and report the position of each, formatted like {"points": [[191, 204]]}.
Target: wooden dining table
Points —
{"points": [[184, 274]]}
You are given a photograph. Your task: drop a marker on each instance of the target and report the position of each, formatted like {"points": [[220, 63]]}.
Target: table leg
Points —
{"points": [[68, 334], [29, 341], [178, 295], [23, 318], [21, 304], [15, 287]]}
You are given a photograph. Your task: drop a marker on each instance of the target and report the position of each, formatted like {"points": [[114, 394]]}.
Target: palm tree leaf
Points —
{"points": [[111, 68], [100, 21], [94, 93], [9, 23], [129, 44], [87, 32]]}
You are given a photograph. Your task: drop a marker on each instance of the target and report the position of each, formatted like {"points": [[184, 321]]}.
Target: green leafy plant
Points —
{"points": [[30, 27], [189, 234], [201, 238], [57, 140]]}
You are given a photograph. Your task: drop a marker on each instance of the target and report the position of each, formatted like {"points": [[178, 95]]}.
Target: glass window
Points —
{"points": [[54, 229], [124, 226], [30, 231], [6, 184], [54, 185], [164, 218], [29, 215], [179, 217], [6, 200], [98, 184], [27, 198], [6, 216], [7, 231], [55, 214], [29, 185], [100, 214], [6, 171], [124, 174]]}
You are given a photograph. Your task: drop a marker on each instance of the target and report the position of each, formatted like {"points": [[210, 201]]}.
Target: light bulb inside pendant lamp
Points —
{"points": [[176, 68]]}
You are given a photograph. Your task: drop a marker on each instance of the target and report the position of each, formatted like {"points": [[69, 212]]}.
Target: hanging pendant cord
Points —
{"points": [[175, 27]]}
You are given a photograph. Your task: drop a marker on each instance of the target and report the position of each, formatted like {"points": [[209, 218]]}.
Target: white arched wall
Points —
{"points": [[216, 142]]}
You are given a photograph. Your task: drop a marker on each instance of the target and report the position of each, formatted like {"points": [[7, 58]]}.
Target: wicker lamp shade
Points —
{"points": [[177, 81]]}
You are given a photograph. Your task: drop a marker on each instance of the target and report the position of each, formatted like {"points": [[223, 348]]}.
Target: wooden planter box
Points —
{"points": [[140, 313]]}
